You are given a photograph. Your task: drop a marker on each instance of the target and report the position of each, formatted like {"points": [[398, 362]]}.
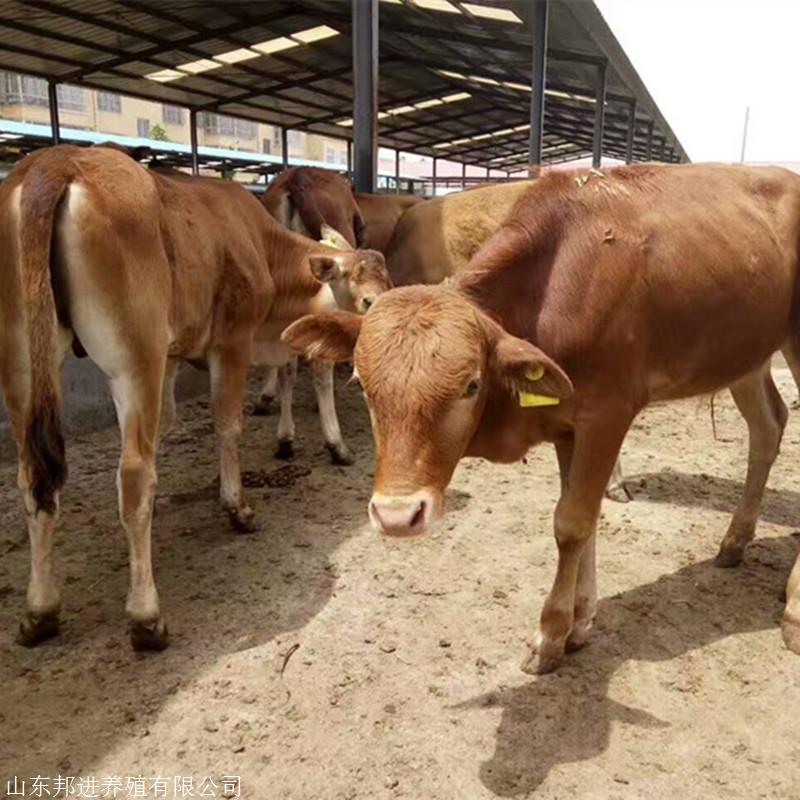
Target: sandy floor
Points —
{"points": [[405, 679]]}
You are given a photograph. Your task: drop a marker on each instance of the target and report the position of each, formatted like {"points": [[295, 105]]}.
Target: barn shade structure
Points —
{"points": [[498, 84]]}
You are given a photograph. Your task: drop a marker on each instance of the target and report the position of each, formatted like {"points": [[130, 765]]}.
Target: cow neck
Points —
{"points": [[288, 257], [509, 276], [509, 288]]}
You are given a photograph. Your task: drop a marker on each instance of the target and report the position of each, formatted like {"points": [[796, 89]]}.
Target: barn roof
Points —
{"points": [[454, 74]]}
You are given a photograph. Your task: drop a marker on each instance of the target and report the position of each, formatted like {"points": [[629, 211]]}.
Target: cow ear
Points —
{"points": [[326, 268], [331, 237], [527, 371], [330, 336]]}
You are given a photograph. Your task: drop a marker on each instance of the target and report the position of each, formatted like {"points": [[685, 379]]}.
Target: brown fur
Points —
{"points": [[146, 266], [317, 196], [381, 213], [640, 284], [42, 440], [438, 237]]}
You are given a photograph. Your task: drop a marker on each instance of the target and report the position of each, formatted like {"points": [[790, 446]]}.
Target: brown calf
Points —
{"points": [[139, 268], [599, 294], [317, 203]]}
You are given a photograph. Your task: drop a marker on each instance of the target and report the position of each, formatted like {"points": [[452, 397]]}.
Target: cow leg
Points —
{"points": [[169, 409], [791, 352], [616, 489], [586, 587], [323, 385], [791, 615], [43, 599], [287, 378], [137, 398], [269, 390], [228, 370], [596, 448], [761, 405]]}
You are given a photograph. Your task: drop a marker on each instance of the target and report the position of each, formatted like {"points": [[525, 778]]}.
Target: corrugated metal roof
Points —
{"points": [[425, 55]]}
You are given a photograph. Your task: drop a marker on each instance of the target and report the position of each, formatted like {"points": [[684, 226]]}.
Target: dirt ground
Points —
{"points": [[403, 674]]}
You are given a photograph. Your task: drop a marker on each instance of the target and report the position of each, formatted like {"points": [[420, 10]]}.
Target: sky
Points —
{"points": [[705, 61]]}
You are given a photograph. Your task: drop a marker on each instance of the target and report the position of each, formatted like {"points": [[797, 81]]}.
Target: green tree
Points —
{"points": [[158, 133]]}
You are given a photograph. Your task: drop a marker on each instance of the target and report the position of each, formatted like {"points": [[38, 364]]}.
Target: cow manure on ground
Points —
{"points": [[279, 478]]}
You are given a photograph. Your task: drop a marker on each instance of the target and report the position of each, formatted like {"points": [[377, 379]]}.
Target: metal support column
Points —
{"points": [[397, 172], [433, 183], [631, 133], [463, 175], [52, 97], [193, 140], [599, 116], [538, 77], [661, 147], [365, 94], [285, 147], [350, 159], [649, 154]]}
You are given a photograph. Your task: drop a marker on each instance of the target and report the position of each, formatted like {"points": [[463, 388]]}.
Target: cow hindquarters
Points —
{"points": [[323, 385], [569, 609], [760, 403]]}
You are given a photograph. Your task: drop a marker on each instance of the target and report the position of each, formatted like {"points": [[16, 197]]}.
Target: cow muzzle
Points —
{"points": [[403, 515]]}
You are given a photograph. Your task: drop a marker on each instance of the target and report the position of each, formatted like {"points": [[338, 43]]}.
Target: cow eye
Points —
{"points": [[472, 388]]}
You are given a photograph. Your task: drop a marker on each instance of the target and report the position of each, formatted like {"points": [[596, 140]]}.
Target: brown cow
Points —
{"points": [[437, 238], [599, 294], [305, 198], [139, 268], [312, 202], [381, 213]]}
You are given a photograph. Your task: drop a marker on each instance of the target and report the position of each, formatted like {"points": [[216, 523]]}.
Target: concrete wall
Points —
{"points": [[87, 402]]}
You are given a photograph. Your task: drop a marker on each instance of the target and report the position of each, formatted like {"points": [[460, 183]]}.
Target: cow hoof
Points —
{"points": [[728, 557], [244, 520], [340, 454], [146, 638], [263, 406], [36, 629], [791, 634], [545, 657], [619, 493], [579, 637], [285, 450]]}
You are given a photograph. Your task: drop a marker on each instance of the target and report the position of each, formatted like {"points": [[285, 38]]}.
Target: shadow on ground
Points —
{"points": [[221, 592], [567, 716]]}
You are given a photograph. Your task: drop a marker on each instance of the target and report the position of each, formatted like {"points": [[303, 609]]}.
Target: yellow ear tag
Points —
{"points": [[531, 400]]}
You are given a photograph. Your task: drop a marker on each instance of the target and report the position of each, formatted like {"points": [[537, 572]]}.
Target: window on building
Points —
{"points": [[266, 146], [172, 115], [229, 126], [143, 128], [70, 98], [108, 101], [16, 89]]}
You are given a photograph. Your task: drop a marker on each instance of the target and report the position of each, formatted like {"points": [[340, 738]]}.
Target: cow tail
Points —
{"points": [[43, 442]]}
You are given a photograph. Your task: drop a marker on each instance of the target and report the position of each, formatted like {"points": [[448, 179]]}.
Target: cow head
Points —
{"points": [[356, 277], [428, 362]]}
